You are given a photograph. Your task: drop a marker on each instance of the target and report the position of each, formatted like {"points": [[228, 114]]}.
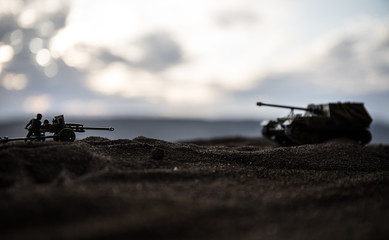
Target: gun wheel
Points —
{"points": [[66, 135]]}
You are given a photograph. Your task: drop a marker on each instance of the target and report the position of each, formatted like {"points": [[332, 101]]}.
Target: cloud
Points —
{"points": [[353, 60], [357, 61], [107, 57], [7, 24], [182, 44], [159, 52], [121, 79], [28, 65], [349, 64], [237, 18]]}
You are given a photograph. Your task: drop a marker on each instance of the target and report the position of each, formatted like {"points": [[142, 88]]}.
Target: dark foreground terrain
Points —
{"points": [[208, 189]]}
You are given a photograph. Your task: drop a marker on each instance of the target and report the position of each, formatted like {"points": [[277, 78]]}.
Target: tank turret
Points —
{"points": [[319, 123]]}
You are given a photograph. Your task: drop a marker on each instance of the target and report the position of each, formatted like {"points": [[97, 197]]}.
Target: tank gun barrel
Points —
{"points": [[281, 106]]}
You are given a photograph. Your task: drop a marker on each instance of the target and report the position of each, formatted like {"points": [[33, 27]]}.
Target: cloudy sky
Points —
{"points": [[202, 59]]}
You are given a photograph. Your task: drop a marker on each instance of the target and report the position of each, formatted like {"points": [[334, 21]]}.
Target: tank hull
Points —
{"points": [[335, 120]]}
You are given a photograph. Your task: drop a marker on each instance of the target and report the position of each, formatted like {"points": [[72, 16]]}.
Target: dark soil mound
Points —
{"points": [[231, 188], [44, 162]]}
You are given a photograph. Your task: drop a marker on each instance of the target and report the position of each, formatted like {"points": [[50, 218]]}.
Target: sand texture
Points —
{"points": [[232, 188]]}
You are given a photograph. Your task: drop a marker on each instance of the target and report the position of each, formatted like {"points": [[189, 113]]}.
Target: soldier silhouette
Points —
{"points": [[46, 126], [34, 126]]}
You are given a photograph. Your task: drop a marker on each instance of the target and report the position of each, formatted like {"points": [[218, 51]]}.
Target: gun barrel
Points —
{"points": [[80, 127], [280, 106], [99, 128]]}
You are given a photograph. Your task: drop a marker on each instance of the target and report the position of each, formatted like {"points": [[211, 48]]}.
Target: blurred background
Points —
{"points": [[187, 69]]}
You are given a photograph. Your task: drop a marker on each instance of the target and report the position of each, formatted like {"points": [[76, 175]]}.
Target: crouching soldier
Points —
{"points": [[46, 127], [34, 126]]}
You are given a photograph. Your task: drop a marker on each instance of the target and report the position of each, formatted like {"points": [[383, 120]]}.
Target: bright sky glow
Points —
{"points": [[43, 57], [36, 44], [14, 81], [95, 107], [117, 78], [38, 104], [6, 53]]}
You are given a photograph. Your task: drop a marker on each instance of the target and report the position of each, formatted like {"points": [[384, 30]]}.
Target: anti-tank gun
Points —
{"points": [[66, 131], [319, 123], [62, 131]]}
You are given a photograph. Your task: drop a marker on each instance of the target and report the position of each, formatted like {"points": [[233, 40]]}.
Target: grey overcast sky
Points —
{"points": [[201, 59]]}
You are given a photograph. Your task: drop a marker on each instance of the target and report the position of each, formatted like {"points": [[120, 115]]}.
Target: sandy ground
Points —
{"points": [[232, 188]]}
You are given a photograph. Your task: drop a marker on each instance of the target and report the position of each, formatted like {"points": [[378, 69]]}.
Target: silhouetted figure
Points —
{"points": [[34, 126], [46, 127]]}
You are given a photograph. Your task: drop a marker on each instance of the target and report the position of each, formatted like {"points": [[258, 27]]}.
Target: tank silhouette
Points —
{"points": [[319, 123]]}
